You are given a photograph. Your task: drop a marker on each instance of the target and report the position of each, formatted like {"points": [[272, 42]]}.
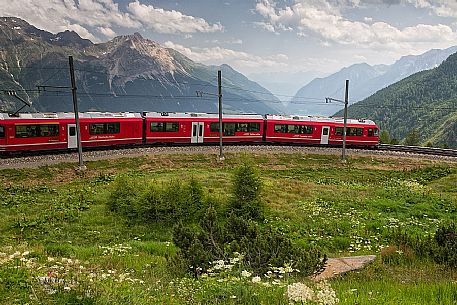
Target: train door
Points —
{"points": [[197, 132], [325, 134], [2, 136], [72, 138]]}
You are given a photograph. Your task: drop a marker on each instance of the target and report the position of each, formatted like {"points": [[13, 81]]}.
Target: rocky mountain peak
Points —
{"points": [[125, 66], [71, 38]]}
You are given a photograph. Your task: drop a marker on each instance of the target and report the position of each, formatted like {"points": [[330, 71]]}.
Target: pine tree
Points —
{"points": [[413, 138], [384, 137]]}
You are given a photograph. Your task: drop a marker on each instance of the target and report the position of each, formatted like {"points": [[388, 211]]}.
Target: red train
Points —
{"points": [[51, 131]]}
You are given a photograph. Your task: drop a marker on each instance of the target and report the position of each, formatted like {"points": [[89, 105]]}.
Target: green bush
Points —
{"points": [[167, 202], [123, 196], [246, 199], [442, 247], [446, 240], [262, 247]]}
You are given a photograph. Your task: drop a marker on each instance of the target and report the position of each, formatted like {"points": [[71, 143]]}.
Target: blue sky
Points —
{"points": [[263, 36]]}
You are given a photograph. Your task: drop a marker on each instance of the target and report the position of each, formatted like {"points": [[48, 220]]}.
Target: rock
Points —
{"points": [[336, 266]]}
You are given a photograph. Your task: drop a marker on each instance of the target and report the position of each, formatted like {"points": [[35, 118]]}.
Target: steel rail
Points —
{"points": [[419, 150], [445, 152]]}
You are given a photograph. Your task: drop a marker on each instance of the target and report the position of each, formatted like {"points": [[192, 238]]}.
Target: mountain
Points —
{"points": [[364, 80], [283, 84], [426, 101], [127, 73]]}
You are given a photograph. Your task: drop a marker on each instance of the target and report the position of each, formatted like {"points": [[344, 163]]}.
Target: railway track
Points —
{"points": [[419, 150], [397, 151]]}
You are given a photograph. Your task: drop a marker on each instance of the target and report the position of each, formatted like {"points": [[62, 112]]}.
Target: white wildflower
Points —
{"points": [[299, 292], [325, 294], [256, 279], [245, 273]]}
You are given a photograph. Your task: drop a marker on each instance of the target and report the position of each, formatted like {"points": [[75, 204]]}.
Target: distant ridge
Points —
{"points": [[426, 101], [365, 80]]}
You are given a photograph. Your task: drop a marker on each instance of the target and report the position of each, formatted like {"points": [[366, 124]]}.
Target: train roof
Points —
{"points": [[319, 119], [181, 115], [69, 115]]}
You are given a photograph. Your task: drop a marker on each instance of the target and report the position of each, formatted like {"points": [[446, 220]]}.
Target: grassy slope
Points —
{"points": [[346, 210]]}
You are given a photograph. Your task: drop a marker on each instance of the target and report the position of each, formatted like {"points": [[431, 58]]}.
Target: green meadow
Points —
{"points": [[86, 238]]}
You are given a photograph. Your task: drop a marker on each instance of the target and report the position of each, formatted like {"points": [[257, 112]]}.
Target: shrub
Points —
{"points": [[169, 202], [446, 240], [246, 200], [123, 197], [262, 247]]}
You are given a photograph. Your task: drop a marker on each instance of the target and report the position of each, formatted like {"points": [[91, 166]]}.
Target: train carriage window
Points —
{"points": [[156, 126], [96, 128], [214, 127], [164, 126], [242, 127], [306, 129], [171, 126], [2, 131], [113, 128], [254, 127], [376, 132], [352, 131], [281, 128], [104, 128], [38, 130], [293, 128], [370, 132], [72, 131], [229, 129], [339, 131], [49, 130]]}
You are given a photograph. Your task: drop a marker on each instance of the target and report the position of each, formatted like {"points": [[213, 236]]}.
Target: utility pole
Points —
{"points": [[75, 107], [345, 102], [219, 96], [346, 95], [219, 87]]}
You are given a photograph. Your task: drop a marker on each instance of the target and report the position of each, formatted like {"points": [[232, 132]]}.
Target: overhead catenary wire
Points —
{"points": [[228, 99], [300, 100]]}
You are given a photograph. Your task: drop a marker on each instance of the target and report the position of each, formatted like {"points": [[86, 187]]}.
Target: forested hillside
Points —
{"points": [[426, 101]]}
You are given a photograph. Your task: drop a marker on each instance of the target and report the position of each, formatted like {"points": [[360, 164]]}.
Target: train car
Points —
{"points": [[319, 130], [171, 127], [358, 133], [54, 131]]}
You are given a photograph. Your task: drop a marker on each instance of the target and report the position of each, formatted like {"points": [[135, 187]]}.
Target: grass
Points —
{"points": [[54, 213]]}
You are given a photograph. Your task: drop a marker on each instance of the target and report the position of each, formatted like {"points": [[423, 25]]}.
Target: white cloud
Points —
{"points": [[169, 22], [89, 18], [82, 31], [107, 32], [443, 8], [241, 61], [326, 22], [266, 26]]}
